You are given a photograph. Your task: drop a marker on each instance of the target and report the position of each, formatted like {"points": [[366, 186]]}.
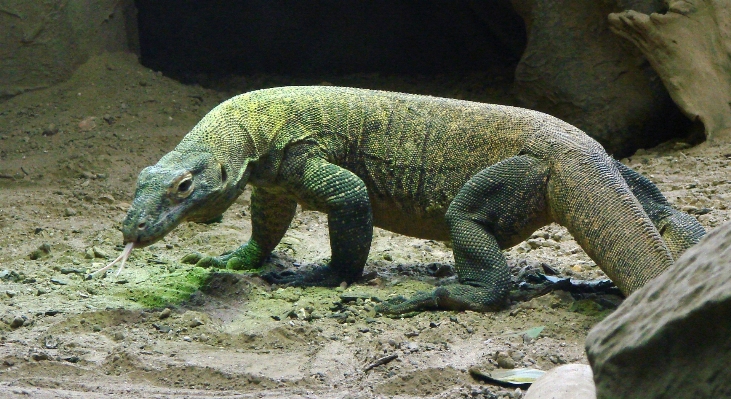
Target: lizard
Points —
{"points": [[481, 175]]}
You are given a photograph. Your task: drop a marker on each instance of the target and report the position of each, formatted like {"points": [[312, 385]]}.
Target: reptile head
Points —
{"points": [[180, 187]]}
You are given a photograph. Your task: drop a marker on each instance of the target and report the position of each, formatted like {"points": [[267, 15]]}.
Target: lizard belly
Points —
{"points": [[398, 219]]}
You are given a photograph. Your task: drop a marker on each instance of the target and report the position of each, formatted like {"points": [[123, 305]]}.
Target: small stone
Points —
{"points": [[50, 130], [89, 253], [96, 328], [41, 291], [50, 343], [87, 124], [40, 356], [412, 347], [10, 293], [162, 328], [118, 336], [504, 361], [17, 322], [100, 253], [70, 212], [195, 323], [165, 313], [58, 281], [187, 338], [42, 251], [106, 198]]}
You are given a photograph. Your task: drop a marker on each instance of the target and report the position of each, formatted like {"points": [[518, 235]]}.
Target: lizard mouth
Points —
{"points": [[123, 258]]}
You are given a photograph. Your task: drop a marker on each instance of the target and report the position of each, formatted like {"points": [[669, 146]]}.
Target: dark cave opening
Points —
{"points": [[186, 39]]}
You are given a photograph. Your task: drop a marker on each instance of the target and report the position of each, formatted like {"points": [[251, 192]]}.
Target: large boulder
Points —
{"points": [[575, 68], [690, 48], [671, 338], [43, 42], [570, 381]]}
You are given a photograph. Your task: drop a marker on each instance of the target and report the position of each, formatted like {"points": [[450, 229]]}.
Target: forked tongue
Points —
{"points": [[123, 257]]}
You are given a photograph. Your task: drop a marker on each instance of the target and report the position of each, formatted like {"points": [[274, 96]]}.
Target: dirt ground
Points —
{"points": [[69, 157]]}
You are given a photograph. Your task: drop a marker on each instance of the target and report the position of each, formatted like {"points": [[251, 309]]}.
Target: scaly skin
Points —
{"points": [[485, 176]]}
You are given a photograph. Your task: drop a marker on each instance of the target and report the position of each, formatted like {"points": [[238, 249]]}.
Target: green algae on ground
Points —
{"points": [[165, 289]]}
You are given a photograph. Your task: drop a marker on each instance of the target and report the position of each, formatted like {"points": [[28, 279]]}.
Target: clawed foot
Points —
{"points": [[218, 262], [448, 297]]}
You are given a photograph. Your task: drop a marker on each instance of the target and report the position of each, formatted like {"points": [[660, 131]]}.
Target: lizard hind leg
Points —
{"points": [[498, 207]]}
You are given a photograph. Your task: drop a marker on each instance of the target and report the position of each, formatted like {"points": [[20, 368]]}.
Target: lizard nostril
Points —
{"points": [[142, 225]]}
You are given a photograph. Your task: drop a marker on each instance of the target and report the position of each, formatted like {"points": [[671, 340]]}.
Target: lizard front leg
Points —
{"points": [[344, 197], [271, 214]]}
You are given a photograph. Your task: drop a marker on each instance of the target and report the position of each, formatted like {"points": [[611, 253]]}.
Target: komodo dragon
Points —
{"points": [[484, 176]]}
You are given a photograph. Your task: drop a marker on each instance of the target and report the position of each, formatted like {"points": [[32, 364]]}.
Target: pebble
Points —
{"points": [[106, 198], [195, 323], [17, 322], [504, 361], [99, 253], [87, 124], [40, 356], [70, 212], [11, 293], [50, 130], [59, 281], [165, 313], [50, 342], [187, 338], [42, 251], [96, 328]]}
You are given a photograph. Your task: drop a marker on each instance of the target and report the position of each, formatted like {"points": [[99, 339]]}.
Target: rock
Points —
{"points": [[165, 313], [574, 68], [106, 198], [50, 130], [571, 381], [100, 253], [87, 124], [69, 212], [17, 322], [504, 361], [43, 251], [689, 46], [11, 293], [670, 339]]}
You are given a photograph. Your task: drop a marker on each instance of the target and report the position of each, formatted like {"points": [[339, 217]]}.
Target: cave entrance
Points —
{"points": [[188, 40]]}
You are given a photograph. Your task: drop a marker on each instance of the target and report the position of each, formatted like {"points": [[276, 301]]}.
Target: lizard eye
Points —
{"points": [[182, 186], [185, 185]]}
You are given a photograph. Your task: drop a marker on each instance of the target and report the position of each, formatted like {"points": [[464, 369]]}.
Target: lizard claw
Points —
{"points": [[284, 278], [192, 258], [204, 261]]}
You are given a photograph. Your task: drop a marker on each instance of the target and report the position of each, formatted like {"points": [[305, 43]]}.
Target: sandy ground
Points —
{"points": [[69, 157]]}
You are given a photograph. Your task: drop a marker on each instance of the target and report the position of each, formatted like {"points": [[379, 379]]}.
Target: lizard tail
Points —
{"points": [[587, 194]]}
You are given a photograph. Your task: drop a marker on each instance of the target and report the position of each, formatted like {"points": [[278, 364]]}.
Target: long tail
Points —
{"points": [[588, 195]]}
